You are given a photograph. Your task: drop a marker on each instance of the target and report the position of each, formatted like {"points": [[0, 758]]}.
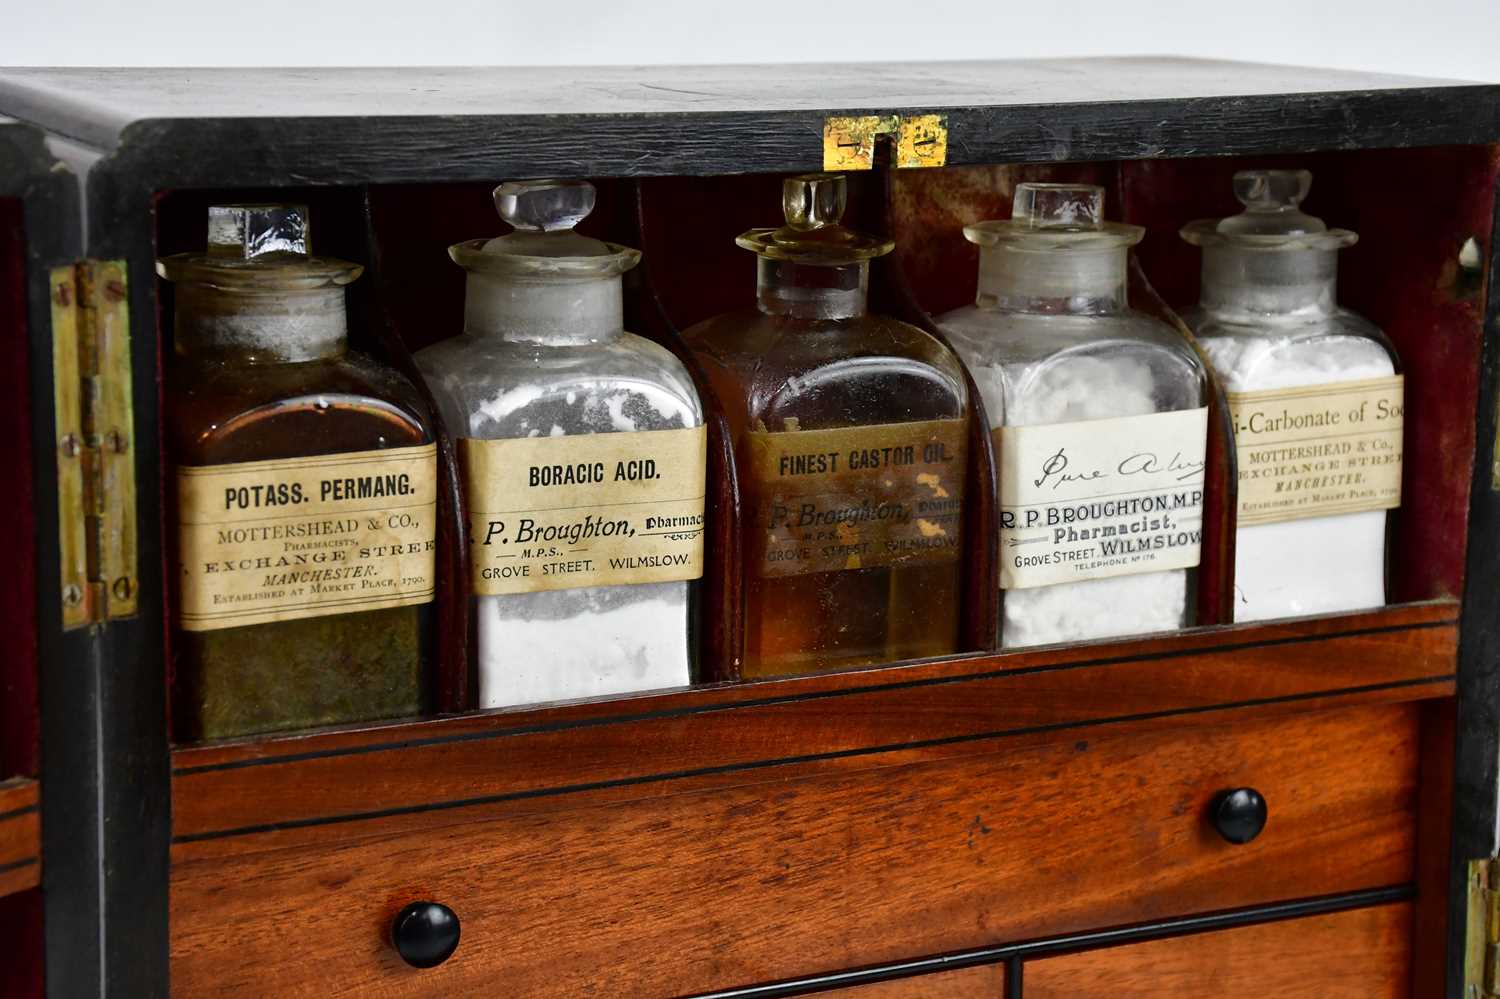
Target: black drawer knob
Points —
{"points": [[425, 934], [1239, 814]]}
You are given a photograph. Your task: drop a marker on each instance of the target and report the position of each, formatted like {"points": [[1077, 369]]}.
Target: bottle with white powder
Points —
{"points": [[1315, 395], [582, 454], [1100, 424]]}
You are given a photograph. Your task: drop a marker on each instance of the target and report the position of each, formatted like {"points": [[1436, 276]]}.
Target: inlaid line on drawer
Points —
{"points": [[542, 792], [1140, 933]]}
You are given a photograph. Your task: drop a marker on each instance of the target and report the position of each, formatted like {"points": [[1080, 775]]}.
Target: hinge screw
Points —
{"points": [[116, 442], [63, 295], [122, 588], [72, 594], [71, 445], [114, 291]]}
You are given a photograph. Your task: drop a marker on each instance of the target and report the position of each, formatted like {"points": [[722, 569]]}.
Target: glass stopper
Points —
{"points": [[248, 231], [1068, 207], [1272, 190], [814, 200], [544, 205], [1272, 199]]}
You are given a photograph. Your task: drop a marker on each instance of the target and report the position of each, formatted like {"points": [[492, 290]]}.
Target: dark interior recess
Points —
{"points": [[1414, 210], [21, 929], [19, 708]]}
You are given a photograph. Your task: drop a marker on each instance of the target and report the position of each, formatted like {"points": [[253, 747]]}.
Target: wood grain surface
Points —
{"points": [[1363, 954], [280, 792], [20, 836], [688, 892], [984, 982]]}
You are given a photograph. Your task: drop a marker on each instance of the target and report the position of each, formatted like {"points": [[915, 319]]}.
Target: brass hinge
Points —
{"points": [[94, 419], [849, 140], [1482, 944]]}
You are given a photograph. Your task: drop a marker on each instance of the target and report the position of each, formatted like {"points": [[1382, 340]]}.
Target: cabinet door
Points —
{"points": [[1363, 954], [985, 982]]}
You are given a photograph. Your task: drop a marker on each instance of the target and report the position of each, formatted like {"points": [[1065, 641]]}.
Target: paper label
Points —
{"points": [[292, 538], [1099, 498], [1318, 450], [856, 497], [554, 513]]}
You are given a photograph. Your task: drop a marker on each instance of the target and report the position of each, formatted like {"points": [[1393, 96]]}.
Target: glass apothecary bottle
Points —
{"points": [[1100, 422], [306, 491], [850, 431], [1316, 397], [583, 456]]}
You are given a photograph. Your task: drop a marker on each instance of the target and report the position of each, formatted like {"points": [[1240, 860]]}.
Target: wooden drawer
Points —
{"points": [[1364, 954], [802, 869]]}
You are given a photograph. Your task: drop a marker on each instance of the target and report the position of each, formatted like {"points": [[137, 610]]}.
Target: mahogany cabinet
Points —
{"points": [[1291, 807]]}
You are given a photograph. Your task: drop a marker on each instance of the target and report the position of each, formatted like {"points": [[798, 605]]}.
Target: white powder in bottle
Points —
{"points": [[1318, 565], [587, 641], [1084, 388]]}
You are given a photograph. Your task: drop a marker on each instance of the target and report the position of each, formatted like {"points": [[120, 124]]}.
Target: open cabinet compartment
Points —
{"points": [[1406, 274]]}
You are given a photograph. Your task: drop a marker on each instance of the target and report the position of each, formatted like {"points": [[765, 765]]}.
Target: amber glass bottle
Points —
{"points": [[850, 431], [305, 487]]}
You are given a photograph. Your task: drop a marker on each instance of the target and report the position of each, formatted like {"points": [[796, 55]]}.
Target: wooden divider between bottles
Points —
{"points": [[454, 688], [721, 610], [691, 269], [1221, 473], [891, 292]]}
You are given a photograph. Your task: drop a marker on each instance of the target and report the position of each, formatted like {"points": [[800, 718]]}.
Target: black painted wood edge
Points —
{"points": [[1085, 662], [163, 153], [133, 786], [73, 904], [755, 765], [1016, 954], [1476, 804], [105, 781]]}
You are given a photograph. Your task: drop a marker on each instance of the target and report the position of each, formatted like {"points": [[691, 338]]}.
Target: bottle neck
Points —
{"points": [[260, 327], [807, 291], [1269, 282], [1073, 282], [549, 311]]}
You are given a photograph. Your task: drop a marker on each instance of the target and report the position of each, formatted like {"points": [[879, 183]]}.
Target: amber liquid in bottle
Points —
{"points": [[812, 359], [243, 389]]}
